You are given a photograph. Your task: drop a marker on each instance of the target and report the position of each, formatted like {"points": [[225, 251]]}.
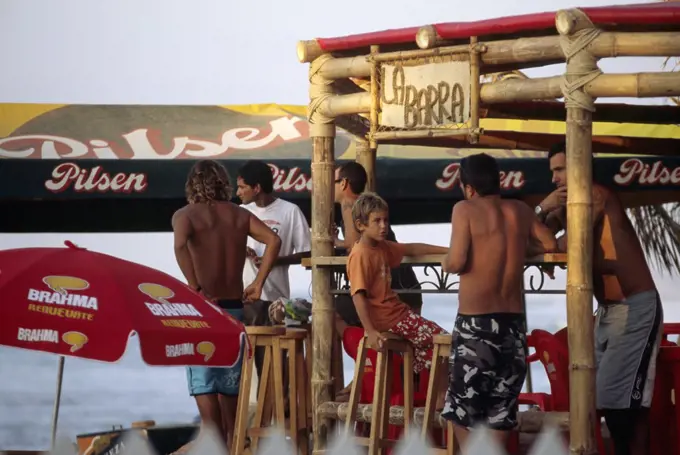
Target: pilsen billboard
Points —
{"points": [[91, 151]]}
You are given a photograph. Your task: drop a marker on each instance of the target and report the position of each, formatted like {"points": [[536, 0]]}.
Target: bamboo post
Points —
{"points": [[369, 151], [577, 31], [474, 91], [322, 131], [366, 157]]}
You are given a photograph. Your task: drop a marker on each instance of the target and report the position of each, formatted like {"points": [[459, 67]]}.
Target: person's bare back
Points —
{"points": [[218, 247], [499, 233]]}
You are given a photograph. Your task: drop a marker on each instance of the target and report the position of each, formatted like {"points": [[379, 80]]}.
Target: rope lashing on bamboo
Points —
{"points": [[320, 89], [584, 73]]}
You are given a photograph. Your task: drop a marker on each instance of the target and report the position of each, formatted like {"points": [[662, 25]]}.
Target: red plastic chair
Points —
{"points": [[554, 355], [542, 400], [664, 415]]}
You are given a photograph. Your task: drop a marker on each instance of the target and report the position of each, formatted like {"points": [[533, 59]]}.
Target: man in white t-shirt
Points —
{"points": [[255, 187]]}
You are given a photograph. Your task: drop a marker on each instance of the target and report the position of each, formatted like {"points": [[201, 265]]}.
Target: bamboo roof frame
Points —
{"points": [[343, 82]]}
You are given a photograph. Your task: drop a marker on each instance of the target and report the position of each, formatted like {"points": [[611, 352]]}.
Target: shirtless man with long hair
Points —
{"points": [[211, 234]]}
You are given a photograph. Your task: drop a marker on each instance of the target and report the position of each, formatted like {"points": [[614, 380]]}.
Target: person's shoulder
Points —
{"points": [[602, 192], [249, 207], [288, 206], [462, 208], [517, 205], [358, 250], [183, 212]]}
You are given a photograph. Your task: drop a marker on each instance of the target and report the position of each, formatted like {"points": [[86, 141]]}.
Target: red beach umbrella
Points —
{"points": [[80, 303]]}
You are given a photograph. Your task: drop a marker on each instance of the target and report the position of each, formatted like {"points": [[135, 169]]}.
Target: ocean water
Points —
{"points": [[97, 396]]}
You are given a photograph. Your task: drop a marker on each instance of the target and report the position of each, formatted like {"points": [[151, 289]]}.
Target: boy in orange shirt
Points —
{"points": [[368, 270]]}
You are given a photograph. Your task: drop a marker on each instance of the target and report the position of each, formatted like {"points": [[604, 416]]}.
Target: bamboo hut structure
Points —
{"points": [[422, 86]]}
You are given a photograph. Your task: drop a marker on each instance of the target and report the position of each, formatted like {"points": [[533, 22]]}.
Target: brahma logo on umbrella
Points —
{"points": [[74, 339], [62, 298], [61, 287], [164, 308], [204, 348]]}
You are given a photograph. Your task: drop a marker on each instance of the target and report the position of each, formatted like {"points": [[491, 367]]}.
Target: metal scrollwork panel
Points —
{"points": [[406, 281]]}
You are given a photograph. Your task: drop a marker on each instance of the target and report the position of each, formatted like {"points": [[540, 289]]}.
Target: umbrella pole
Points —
{"points": [[57, 399]]}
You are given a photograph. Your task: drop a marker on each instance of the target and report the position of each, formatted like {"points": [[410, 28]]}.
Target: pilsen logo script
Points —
{"points": [[142, 145], [511, 180], [96, 180], [646, 174]]}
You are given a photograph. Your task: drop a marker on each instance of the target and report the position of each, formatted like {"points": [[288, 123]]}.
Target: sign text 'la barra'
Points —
{"points": [[428, 95]]}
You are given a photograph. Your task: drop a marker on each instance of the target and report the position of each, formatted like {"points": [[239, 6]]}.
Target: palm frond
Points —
{"points": [[658, 228]]}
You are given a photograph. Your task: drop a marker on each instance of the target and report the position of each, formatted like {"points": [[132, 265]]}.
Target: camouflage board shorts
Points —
{"points": [[487, 370]]}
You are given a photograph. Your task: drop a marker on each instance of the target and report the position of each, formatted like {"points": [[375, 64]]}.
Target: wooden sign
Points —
{"points": [[425, 96]]}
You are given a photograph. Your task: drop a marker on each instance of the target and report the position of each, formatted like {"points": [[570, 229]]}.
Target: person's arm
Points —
{"points": [[301, 239], [350, 232], [555, 220], [422, 249], [542, 240], [457, 256], [263, 234], [182, 230], [552, 210], [358, 275]]}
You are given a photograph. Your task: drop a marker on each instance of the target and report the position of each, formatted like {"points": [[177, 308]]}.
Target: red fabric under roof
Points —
{"points": [[638, 14]]}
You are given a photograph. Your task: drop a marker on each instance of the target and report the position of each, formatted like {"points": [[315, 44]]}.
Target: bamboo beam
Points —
{"points": [[527, 422], [576, 29], [516, 51], [308, 51], [640, 85], [322, 132]]}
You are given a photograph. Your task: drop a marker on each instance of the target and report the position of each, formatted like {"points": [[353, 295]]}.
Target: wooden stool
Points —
{"points": [[270, 388], [377, 441], [298, 388], [440, 363]]}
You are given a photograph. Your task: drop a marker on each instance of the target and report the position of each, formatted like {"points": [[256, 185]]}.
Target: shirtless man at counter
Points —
{"points": [[629, 315], [210, 235], [489, 241]]}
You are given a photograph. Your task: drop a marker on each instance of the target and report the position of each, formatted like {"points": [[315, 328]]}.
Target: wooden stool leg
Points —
{"points": [[431, 398], [450, 439], [408, 390], [303, 409], [378, 408], [239, 438], [355, 392], [385, 409], [262, 411], [278, 383], [293, 379], [308, 366]]}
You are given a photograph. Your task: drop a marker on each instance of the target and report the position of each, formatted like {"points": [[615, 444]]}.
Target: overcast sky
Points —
{"points": [[206, 52]]}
